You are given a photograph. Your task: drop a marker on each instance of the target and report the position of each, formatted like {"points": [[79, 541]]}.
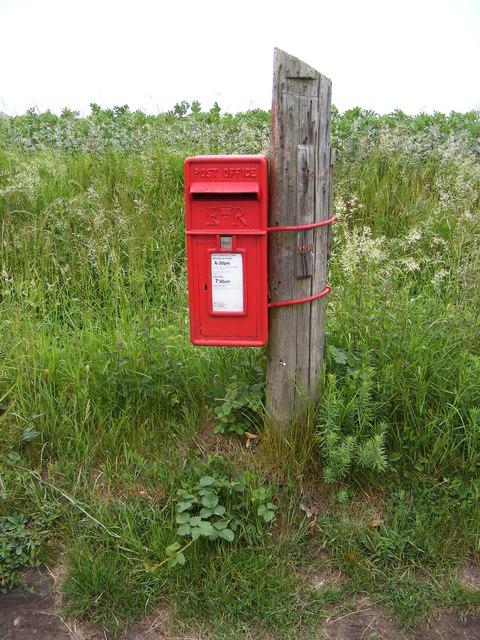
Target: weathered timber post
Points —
{"points": [[301, 171]]}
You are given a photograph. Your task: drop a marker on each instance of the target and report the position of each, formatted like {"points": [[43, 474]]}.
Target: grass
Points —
{"points": [[107, 411]]}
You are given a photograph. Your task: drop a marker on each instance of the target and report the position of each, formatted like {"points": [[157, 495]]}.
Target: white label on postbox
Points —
{"points": [[226, 242], [227, 282]]}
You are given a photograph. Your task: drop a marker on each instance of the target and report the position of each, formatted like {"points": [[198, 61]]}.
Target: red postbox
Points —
{"points": [[226, 221]]}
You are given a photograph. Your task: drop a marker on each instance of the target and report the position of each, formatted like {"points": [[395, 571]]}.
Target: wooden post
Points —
{"points": [[301, 192]]}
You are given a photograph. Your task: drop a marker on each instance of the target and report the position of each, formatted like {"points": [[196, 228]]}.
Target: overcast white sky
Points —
{"points": [[414, 55]]}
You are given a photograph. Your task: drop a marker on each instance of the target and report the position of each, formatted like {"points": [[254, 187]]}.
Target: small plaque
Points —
{"points": [[226, 242]]}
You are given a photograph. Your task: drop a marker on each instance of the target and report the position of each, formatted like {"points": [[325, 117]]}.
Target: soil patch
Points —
{"points": [[29, 613], [469, 576], [375, 624]]}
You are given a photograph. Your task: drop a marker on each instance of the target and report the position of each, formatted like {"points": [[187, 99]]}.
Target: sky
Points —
{"points": [[413, 55]]}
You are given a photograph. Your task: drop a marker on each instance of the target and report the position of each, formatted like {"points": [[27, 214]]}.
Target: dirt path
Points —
{"points": [[29, 614]]}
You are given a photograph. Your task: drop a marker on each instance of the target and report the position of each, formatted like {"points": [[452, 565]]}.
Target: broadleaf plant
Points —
{"points": [[219, 509]]}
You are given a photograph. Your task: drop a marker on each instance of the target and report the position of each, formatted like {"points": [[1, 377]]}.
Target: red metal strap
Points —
{"points": [[285, 303], [303, 227]]}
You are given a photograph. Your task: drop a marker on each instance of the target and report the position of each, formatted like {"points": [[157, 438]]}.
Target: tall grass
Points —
{"points": [[405, 260], [105, 405]]}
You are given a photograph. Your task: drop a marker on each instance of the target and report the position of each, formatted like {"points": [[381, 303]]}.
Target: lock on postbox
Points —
{"points": [[226, 224]]}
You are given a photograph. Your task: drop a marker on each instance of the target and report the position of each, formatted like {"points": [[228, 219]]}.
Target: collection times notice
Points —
{"points": [[227, 282]]}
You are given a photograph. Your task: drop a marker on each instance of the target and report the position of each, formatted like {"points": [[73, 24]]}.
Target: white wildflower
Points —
{"points": [[438, 241], [414, 235], [409, 264], [438, 278], [339, 206], [361, 250]]}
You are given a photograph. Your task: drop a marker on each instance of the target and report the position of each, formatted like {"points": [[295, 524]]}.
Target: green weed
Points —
{"points": [[19, 542], [239, 405]]}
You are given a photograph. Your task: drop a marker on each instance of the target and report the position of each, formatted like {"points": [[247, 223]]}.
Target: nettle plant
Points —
{"points": [[239, 404], [18, 547], [219, 509]]}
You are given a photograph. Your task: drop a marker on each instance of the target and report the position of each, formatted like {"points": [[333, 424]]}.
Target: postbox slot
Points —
{"points": [[224, 191], [224, 196]]}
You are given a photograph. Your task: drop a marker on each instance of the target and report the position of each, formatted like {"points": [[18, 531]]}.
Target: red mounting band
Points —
{"points": [[285, 303], [303, 227]]}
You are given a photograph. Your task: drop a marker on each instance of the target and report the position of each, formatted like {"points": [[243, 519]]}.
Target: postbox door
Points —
{"points": [[226, 252]]}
